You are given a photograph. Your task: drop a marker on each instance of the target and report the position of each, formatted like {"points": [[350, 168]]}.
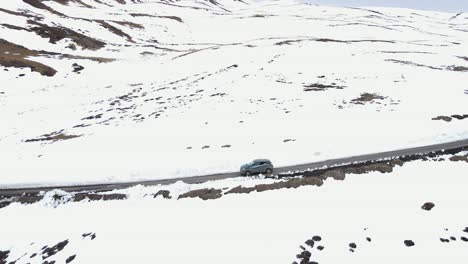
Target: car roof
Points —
{"points": [[262, 160]]}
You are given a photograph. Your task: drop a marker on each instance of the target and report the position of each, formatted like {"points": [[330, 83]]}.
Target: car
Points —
{"points": [[257, 166]]}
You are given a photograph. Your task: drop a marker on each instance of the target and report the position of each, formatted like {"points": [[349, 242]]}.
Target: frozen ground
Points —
{"points": [[373, 214], [131, 90]]}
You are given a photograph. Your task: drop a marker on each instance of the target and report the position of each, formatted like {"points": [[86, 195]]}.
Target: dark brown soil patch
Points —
{"points": [[366, 98], [204, 194], [443, 118], [129, 24], [292, 183], [14, 27], [316, 87], [16, 57], [115, 30], [98, 197], [457, 68], [327, 40], [40, 5], [92, 117], [176, 18], [65, 2], [19, 14], [53, 137], [459, 158], [18, 62], [409, 63], [55, 34], [450, 118], [50, 251]]}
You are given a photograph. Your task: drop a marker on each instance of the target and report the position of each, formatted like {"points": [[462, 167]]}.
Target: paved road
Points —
{"points": [[281, 170]]}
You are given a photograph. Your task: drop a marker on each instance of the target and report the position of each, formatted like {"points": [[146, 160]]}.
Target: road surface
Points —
{"points": [[280, 170]]}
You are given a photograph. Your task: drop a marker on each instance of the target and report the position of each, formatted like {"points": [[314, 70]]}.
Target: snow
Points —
{"points": [[222, 79], [266, 227]]}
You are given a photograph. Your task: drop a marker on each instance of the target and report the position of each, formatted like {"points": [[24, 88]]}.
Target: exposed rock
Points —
{"points": [[459, 158], [47, 252], [55, 34], [459, 117], [77, 68], [316, 87], [304, 255], [164, 193], [53, 137], [457, 68], [310, 243], [92, 236], [114, 30], [4, 256], [428, 206], [366, 98], [204, 194], [292, 183], [4, 203], [443, 118], [70, 259], [409, 243], [98, 197]]}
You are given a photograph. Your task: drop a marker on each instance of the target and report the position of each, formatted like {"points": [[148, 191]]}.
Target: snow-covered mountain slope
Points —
{"points": [[117, 90]]}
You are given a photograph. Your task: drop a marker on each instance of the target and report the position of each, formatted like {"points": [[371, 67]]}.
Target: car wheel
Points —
{"points": [[248, 173], [268, 171]]}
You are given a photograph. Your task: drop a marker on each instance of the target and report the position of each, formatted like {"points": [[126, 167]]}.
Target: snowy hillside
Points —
{"points": [[118, 90], [415, 214]]}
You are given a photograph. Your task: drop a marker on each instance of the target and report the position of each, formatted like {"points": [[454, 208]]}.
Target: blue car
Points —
{"points": [[257, 166]]}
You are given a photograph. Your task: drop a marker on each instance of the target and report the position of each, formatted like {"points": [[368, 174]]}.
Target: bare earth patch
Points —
{"points": [[12, 55], [367, 98], [53, 137]]}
